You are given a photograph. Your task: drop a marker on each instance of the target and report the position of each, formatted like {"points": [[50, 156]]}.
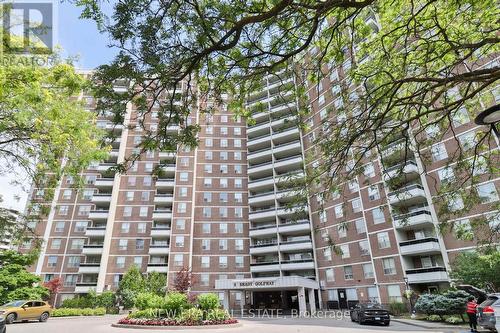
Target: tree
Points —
{"points": [[183, 280], [130, 286], [156, 283], [45, 131], [53, 286], [410, 67], [478, 270], [451, 302], [16, 281]]}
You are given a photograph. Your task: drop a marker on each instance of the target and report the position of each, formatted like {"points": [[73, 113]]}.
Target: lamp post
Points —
{"points": [[409, 295], [490, 117]]}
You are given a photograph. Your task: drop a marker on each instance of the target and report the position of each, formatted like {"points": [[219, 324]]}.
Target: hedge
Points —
{"points": [[66, 312]]}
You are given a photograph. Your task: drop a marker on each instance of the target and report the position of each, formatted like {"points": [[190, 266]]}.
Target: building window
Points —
{"points": [[143, 212], [208, 155], [139, 244], [394, 293], [222, 262], [184, 176], [339, 211], [180, 224], [446, 175], [63, 210], [125, 227], [368, 271], [67, 194], [383, 240], [364, 249], [141, 228], [207, 197], [373, 193], [205, 262], [51, 261], [59, 226], [455, 202], [360, 226], [238, 244], [438, 152], [73, 262], [330, 276], [205, 244], [238, 228], [178, 260], [223, 228], [239, 261], [183, 192], [487, 192], [348, 273], [356, 205], [342, 230], [55, 244], [120, 262], [238, 212], [344, 249], [181, 207], [389, 266], [327, 254], [207, 182], [138, 261], [123, 244], [223, 244], [207, 168], [207, 212], [127, 211], [206, 228], [77, 244], [238, 183], [81, 226], [204, 279], [378, 215], [179, 241]]}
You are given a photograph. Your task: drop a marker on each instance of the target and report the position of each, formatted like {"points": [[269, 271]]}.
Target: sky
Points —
{"points": [[81, 37], [77, 37]]}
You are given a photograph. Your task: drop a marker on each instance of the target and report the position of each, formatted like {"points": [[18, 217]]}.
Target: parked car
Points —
{"points": [[486, 312], [489, 305], [25, 310], [370, 312], [2, 325]]}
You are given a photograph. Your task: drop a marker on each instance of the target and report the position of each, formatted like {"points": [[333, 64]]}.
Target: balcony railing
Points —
{"points": [[418, 241]]}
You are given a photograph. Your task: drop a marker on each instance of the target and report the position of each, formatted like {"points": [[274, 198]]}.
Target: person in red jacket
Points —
{"points": [[471, 313]]}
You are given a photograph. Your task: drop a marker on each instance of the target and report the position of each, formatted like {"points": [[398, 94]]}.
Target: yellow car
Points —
{"points": [[25, 310]]}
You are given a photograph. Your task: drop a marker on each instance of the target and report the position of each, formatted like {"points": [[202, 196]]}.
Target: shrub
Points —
{"points": [[217, 315], [147, 313], [65, 312], [453, 320], [433, 318], [397, 308], [425, 303], [208, 301], [191, 316], [148, 301], [92, 300], [175, 302]]}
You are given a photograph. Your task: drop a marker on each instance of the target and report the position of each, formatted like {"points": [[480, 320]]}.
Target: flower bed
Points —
{"points": [[173, 322]]}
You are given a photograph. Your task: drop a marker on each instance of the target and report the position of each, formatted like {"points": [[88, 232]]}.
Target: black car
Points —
{"points": [[2, 325], [370, 313]]}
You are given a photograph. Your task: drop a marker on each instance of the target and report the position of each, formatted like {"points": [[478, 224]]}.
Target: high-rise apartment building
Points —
{"points": [[229, 210]]}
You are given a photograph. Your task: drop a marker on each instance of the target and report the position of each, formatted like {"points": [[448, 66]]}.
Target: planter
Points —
{"points": [[161, 324]]}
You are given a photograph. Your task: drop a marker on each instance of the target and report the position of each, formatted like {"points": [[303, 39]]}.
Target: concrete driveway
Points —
{"points": [[249, 325]]}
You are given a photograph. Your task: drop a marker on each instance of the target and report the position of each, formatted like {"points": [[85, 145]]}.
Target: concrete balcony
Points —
{"points": [[95, 231], [287, 149], [167, 155], [260, 267], [159, 268], [100, 198], [113, 153], [286, 195], [260, 168], [105, 167], [163, 199], [258, 128], [428, 245], [418, 218], [261, 140], [165, 183], [102, 183], [396, 148], [262, 214], [260, 155], [264, 248], [256, 184], [283, 106], [260, 116], [168, 169], [159, 249], [280, 121], [286, 135], [89, 268], [162, 215], [298, 227], [85, 287], [262, 198], [409, 195], [289, 163], [92, 249], [427, 275], [296, 246], [173, 128], [407, 169], [160, 232], [291, 212], [297, 265], [99, 215], [265, 230]]}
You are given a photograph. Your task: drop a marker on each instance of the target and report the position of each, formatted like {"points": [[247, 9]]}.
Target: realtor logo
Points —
{"points": [[27, 27]]}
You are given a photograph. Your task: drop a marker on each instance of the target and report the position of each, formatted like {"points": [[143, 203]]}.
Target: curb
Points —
{"points": [[75, 317], [176, 328], [426, 326]]}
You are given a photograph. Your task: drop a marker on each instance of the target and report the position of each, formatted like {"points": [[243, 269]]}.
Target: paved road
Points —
{"points": [[249, 325]]}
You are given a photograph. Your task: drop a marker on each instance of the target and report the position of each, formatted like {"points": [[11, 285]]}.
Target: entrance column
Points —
{"points": [[302, 301], [312, 301], [225, 302], [243, 299]]}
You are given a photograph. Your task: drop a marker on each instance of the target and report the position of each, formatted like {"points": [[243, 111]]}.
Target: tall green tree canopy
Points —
{"points": [[479, 270], [411, 68], [16, 281]]}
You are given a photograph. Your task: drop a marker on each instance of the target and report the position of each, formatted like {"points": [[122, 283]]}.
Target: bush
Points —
{"points": [[65, 312], [147, 313], [208, 301], [217, 315], [397, 308], [433, 318], [191, 316], [175, 302], [454, 320], [451, 302], [145, 301]]}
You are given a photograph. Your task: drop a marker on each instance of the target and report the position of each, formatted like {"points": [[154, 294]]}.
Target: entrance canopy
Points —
{"points": [[273, 283]]}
